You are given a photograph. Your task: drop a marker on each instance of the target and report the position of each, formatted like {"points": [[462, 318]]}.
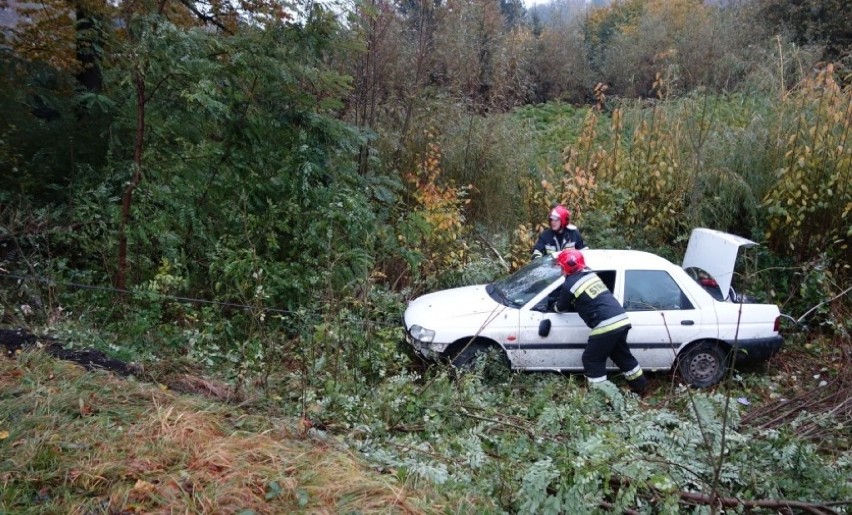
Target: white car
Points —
{"points": [[687, 315]]}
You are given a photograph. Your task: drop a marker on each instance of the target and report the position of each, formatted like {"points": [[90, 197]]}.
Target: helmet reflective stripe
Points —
{"points": [[571, 261], [560, 213]]}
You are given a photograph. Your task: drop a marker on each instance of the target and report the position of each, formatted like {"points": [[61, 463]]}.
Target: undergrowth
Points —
{"points": [[541, 443], [79, 442], [488, 440]]}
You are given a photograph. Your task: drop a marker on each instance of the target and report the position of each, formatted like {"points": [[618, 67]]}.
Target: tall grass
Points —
{"points": [[78, 442]]}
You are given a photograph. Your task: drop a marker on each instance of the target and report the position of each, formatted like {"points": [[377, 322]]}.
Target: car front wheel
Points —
{"points": [[703, 364], [489, 357], [465, 354]]}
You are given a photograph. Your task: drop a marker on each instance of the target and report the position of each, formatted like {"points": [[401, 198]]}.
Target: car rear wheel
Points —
{"points": [[703, 364]]}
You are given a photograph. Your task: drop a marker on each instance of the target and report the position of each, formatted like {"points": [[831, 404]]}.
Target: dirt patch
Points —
{"points": [[13, 341], [17, 340]]}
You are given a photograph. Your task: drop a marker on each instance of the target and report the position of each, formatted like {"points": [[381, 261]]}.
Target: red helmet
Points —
{"points": [[560, 213], [571, 261]]}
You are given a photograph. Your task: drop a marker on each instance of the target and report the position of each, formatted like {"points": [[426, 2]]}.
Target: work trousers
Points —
{"points": [[611, 344]]}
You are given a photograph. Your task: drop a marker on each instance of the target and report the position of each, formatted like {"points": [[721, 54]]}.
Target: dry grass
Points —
{"points": [[819, 386], [78, 442]]}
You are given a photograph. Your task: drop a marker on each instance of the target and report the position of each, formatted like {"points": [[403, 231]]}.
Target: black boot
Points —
{"points": [[639, 385]]}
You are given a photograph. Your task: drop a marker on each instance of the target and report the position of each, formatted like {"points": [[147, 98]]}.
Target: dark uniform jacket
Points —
{"points": [[551, 241], [593, 302]]}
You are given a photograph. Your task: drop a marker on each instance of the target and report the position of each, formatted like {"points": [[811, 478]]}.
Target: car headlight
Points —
{"points": [[421, 334]]}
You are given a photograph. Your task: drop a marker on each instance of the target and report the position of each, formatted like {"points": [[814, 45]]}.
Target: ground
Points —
{"points": [[816, 378], [15, 340]]}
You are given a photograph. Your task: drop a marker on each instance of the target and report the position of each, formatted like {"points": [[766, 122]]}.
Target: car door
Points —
{"points": [[663, 316], [562, 346]]}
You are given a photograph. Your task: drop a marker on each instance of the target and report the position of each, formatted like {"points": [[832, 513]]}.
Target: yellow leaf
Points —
{"points": [[4, 435]]}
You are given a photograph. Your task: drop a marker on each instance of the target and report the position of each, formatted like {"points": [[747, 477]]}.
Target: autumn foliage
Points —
{"points": [[810, 205], [437, 213]]}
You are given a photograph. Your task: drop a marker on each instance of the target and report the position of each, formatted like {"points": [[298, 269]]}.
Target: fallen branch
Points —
{"points": [[527, 431], [489, 245], [696, 498], [823, 303], [611, 507], [732, 502], [831, 401]]}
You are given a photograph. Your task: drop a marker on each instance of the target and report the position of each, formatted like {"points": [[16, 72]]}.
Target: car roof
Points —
{"points": [[606, 259]]}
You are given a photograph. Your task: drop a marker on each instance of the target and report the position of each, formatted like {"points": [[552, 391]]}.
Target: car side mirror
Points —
{"points": [[544, 328]]}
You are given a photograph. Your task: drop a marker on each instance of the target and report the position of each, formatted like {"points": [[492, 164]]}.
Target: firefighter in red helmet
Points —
{"points": [[561, 234], [585, 293]]}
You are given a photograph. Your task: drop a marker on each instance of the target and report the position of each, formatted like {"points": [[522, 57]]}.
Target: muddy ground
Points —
{"points": [[13, 341]]}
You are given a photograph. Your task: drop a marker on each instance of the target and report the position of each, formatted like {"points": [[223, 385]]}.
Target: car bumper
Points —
{"points": [[756, 350], [422, 349]]}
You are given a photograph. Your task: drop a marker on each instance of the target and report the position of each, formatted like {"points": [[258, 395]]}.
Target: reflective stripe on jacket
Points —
{"points": [[551, 241], [593, 301]]}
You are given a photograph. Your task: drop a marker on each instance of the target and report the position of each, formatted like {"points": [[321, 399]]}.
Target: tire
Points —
{"points": [[703, 364], [486, 356], [464, 356]]}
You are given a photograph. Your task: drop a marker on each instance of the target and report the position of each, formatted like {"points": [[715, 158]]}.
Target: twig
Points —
{"points": [[528, 431], [490, 246], [731, 502], [808, 312], [611, 507]]}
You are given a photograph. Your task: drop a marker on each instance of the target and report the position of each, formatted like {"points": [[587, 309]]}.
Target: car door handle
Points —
{"points": [[687, 322]]}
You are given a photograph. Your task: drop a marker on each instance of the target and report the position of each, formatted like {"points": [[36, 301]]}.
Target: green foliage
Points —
{"points": [[810, 205], [45, 136], [604, 24], [539, 443], [489, 153], [553, 125], [824, 22], [244, 168]]}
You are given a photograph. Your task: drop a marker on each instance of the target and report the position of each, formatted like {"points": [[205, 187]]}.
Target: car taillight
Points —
{"points": [[777, 325]]}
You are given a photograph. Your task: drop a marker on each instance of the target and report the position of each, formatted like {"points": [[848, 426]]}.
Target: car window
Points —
{"points": [[706, 281], [651, 290], [608, 278], [548, 304], [526, 283]]}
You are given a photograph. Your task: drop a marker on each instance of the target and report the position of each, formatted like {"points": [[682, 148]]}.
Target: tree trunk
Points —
{"points": [[127, 199]]}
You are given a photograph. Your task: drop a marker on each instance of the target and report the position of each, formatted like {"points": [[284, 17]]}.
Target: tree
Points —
{"points": [[513, 11], [827, 23], [559, 66]]}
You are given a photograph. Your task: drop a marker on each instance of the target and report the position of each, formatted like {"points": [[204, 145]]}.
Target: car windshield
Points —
{"points": [[526, 283]]}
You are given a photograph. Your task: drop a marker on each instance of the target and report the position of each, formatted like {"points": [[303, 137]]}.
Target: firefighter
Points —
{"points": [[560, 236], [585, 293]]}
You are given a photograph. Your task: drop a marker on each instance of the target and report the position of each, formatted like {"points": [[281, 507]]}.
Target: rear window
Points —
{"points": [[706, 281], [653, 290]]}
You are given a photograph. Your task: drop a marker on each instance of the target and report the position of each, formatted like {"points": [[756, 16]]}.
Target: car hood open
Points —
{"points": [[716, 253]]}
